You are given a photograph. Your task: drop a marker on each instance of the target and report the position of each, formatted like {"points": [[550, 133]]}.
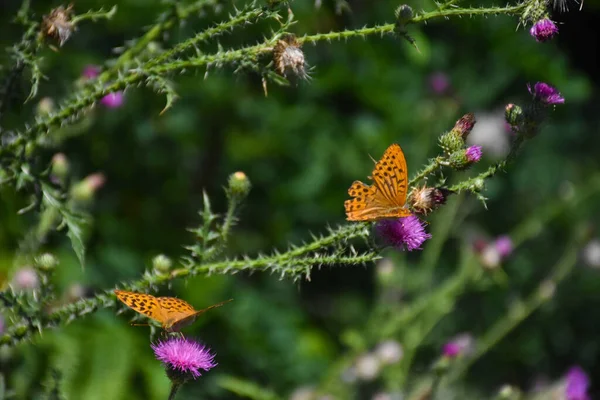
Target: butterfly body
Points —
{"points": [[173, 313], [386, 197]]}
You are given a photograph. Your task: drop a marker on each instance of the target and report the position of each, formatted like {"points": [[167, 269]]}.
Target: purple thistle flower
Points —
{"points": [[504, 245], [543, 30], [439, 83], [473, 154], [546, 94], [459, 345], [577, 384], [407, 232], [91, 71], [113, 100], [184, 355]]}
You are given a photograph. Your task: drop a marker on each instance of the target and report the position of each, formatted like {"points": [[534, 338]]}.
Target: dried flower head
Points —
{"points": [[426, 199], [543, 30], [58, 25], [289, 58], [578, 384], [465, 125], [546, 94], [407, 232], [183, 358]]}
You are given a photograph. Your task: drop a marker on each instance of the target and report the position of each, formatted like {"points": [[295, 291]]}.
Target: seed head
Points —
{"points": [[425, 199], [58, 25], [289, 58]]}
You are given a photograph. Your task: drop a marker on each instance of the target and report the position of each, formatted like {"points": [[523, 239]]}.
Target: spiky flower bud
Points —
{"points": [[464, 125], [464, 158], [425, 199], [60, 166], [57, 25], [451, 143], [239, 185], [46, 262], [162, 263], [514, 116], [45, 106], [403, 13], [84, 190], [289, 58], [543, 30]]}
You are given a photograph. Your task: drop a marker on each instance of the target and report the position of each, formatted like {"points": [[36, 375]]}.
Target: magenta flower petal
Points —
{"points": [[459, 345], [546, 94], [504, 245], [577, 384], [91, 71], [407, 232], [473, 154], [113, 100], [543, 30], [184, 355]]}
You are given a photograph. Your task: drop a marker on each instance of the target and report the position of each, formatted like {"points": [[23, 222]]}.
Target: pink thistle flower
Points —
{"points": [[504, 245], [457, 346], [577, 384], [407, 232], [185, 356], [91, 71], [546, 94], [473, 154], [113, 100], [543, 30], [439, 83], [26, 278]]}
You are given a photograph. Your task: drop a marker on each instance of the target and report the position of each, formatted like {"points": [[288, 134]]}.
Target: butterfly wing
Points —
{"points": [[175, 311], [190, 317], [390, 175], [386, 197], [145, 304]]}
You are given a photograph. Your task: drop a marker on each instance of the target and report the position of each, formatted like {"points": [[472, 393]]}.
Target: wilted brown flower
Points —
{"points": [[58, 25], [426, 199], [289, 58]]}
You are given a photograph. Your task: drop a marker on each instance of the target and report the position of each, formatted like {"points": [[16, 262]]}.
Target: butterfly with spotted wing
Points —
{"points": [[386, 198], [172, 313]]}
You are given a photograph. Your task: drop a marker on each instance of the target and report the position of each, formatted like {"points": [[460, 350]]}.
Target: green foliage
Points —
{"points": [[303, 327]]}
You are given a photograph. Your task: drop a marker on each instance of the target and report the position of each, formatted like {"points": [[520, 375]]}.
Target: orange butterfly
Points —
{"points": [[171, 312], [386, 197]]}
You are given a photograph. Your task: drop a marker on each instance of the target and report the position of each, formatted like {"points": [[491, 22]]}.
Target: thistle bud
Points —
{"points": [[46, 262], [451, 142], [404, 13], [463, 159], [162, 263], [60, 167], [514, 116], [45, 106], [57, 25], [84, 190], [289, 58], [464, 125], [239, 185], [426, 199]]}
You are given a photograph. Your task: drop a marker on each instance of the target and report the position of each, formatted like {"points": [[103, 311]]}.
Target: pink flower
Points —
{"points": [[184, 355], [543, 30], [504, 245], [91, 71], [473, 154], [439, 83], [407, 232], [459, 345], [113, 100], [26, 278], [546, 94], [577, 384]]}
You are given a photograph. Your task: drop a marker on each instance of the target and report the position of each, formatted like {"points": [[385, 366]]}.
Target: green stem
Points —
{"points": [[432, 167], [174, 388]]}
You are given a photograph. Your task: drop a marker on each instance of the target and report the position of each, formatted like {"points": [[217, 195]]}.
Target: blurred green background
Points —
{"points": [[301, 147]]}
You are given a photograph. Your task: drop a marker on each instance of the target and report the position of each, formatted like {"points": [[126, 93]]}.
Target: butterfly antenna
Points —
{"points": [[374, 160], [140, 324], [213, 306]]}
